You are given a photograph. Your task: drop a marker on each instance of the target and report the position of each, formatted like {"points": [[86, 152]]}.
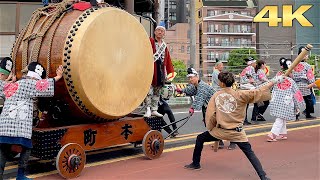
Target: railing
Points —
{"points": [[210, 30], [231, 44]]}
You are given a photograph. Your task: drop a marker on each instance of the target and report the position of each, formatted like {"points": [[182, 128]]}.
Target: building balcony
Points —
{"points": [[230, 32], [213, 60], [229, 45]]}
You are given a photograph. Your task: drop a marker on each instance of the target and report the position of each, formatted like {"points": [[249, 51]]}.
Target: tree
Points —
{"points": [[237, 56], [181, 69], [312, 61]]}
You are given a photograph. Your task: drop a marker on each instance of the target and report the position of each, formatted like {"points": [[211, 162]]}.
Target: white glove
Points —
{"points": [[278, 79]]}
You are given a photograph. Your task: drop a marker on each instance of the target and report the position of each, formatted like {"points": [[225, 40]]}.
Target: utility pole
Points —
{"points": [[129, 5], [192, 29]]}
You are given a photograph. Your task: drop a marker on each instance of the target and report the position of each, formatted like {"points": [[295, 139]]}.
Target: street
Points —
{"points": [[178, 152]]}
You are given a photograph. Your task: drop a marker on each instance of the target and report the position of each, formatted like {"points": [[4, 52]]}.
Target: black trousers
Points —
{"points": [[244, 146], [309, 105], [256, 110], [5, 149], [163, 109]]}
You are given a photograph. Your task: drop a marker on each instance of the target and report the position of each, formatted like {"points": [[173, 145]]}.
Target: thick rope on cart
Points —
{"points": [[52, 12]]}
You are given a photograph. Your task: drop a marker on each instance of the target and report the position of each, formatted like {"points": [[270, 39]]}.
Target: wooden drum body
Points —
{"points": [[107, 60]]}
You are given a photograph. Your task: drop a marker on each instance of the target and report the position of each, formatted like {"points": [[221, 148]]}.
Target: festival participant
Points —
{"points": [[16, 117], [224, 119], [163, 68], [304, 78], [6, 65], [201, 91], [163, 109], [260, 107], [247, 80], [215, 84], [285, 103], [218, 67]]}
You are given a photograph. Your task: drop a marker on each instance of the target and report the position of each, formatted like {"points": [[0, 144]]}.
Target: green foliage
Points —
{"points": [[237, 56], [312, 59], [181, 69]]}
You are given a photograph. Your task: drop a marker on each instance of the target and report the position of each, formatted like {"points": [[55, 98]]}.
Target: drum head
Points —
{"points": [[111, 63]]}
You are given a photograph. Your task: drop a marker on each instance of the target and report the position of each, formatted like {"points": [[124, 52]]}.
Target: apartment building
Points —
{"points": [[225, 25], [178, 41]]}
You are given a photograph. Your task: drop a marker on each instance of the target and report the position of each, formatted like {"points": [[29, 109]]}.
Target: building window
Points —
{"points": [[236, 12], [173, 16], [182, 49], [211, 13], [211, 28], [199, 14], [225, 41], [210, 41], [171, 49], [172, 5], [244, 13], [211, 56], [188, 49], [236, 28], [224, 12], [225, 28], [224, 56], [5, 48]]}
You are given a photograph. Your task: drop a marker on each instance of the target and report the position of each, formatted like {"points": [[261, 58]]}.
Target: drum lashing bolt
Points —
{"points": [[71, 31], [74, 26], [68, 63], [155, 145], [66, 48], [74, 161], [65, 66]]}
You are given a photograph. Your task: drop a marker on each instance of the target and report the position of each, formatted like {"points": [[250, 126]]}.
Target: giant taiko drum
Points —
{"points": [[107, 60]]}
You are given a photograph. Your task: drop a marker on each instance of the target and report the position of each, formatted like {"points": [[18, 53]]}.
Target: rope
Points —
{"points": [[50, 45], [53, 10]]}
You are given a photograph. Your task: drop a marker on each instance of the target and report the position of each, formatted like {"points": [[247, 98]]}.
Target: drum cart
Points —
{"points": [[69, 144]]}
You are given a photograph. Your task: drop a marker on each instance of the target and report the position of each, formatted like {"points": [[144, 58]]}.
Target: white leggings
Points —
{"points": [[279, 127]]}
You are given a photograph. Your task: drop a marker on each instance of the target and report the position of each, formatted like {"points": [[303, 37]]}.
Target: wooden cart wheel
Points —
{"points": [[70, 160], [152, 144]]}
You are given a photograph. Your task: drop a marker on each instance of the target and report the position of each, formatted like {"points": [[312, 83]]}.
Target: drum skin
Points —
{"points": [[107, 60]]}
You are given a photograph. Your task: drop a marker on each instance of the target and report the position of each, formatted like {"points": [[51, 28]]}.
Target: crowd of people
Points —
{"points": [[224, 109]]}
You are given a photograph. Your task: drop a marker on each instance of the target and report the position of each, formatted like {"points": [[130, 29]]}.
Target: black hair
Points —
{"points": [[259, 64], [227, 78]]}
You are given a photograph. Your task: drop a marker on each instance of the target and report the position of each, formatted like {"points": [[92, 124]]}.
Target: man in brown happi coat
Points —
{"points": [[225, 116]]}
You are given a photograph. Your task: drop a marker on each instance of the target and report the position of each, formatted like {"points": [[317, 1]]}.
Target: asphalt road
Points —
{"points": [[186, 137], [195, 123]]}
